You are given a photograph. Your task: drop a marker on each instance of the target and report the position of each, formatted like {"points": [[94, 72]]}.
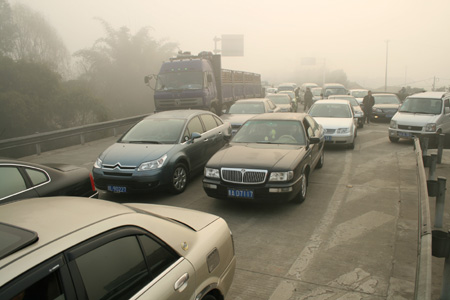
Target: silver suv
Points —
{"points": [[421, 114]]}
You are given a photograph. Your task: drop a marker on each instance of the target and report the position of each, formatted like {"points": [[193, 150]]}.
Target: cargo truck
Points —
{"points": [[199, 82]]}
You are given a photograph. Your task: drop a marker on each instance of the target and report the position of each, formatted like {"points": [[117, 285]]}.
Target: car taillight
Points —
{"points": [[92, 181]]}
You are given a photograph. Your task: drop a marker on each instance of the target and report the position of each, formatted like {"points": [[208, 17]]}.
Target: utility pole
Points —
{"points": [[385, 74]]}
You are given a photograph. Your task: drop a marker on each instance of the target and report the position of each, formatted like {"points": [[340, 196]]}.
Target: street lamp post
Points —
{"points": [[385, 74]]}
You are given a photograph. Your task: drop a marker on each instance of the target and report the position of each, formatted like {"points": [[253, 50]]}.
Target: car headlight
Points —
{"points": [[393, 124], [212, 173], [281, 176], [154, 164], [342, 130], [430, 127], [98, 163], [358, 113]]}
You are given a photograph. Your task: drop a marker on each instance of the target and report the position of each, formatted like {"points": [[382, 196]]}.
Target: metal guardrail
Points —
{"points": [[424, 246], [81, 131]]}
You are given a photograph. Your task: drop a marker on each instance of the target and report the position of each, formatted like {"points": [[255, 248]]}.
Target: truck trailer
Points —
{"points": [[199, 82]]}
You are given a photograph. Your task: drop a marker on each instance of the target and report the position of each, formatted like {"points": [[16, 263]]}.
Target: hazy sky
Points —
{"points": [[349, 35]]}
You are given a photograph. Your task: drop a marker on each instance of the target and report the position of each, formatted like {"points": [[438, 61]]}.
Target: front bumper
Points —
{"points": [[276, 192], [339, 139], [408, 134]]}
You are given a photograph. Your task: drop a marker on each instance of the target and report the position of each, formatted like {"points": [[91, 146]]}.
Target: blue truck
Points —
{"points": [[199, 82]]}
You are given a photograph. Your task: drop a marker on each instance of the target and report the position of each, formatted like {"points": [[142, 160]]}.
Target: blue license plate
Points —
{"points": [[248, 194], [117, 189], [327, 138], [404, 134]]}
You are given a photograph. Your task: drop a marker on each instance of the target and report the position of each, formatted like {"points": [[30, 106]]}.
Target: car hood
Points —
{"points": [[196, 220], [334, 122], [256, 156], [133, 154], [238, 119], [414, 118]]}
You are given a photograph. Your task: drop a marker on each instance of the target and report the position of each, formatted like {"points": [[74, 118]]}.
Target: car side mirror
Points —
{"points": [[194, 136]]}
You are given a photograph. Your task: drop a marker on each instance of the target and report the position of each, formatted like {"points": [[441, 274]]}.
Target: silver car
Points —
{"points": [[79, 248], [338, 120], [421, 114]]}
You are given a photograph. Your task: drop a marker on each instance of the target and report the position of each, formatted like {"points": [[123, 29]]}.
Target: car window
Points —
{"points": [[164, 131], [158, 257], [115, 270], [218, 121], [48, 288], [37, 177], [209, 121], [272, 106], [12, 181], [311, 126], [194, 125]]}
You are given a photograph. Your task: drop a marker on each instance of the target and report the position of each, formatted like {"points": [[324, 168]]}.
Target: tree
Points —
{"points": [[116, 65], [37, 41], [7, 28]]}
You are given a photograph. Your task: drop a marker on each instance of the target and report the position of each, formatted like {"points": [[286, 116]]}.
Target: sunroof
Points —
{"points": [[14, 238]]}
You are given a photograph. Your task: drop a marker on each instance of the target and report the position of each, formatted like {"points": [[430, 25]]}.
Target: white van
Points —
{"points": [[420, 114]]}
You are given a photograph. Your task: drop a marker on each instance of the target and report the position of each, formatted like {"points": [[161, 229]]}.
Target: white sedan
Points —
{"points": [[338, 120]]}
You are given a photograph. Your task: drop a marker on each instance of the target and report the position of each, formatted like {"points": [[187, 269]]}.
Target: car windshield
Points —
{"points": [[247, 108], [386, 99], [280, 99], [424, 106], [316, 92], [179, 81], [285, 88], [330, 110], [271, 132], [359, 94], [335, 91], [155, 131]]}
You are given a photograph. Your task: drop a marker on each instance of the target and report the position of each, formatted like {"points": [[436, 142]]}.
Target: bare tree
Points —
{"points": [[37, 41], [6, 28]]}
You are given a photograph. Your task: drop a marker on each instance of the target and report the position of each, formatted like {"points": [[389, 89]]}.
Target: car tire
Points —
{"points": [[394, 139], [303, 189], [179, 179], [352, 145], [209, 297], [321, 160]]}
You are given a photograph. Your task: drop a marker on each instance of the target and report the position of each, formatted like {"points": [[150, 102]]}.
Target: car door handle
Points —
{"points": [[181, 283]]}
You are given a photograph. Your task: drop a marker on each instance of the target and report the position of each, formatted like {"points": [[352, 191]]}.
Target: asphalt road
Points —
{"points": [[355, 236]]}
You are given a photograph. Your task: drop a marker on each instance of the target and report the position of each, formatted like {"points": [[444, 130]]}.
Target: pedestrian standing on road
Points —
{"points": [[368, 103], [308, 98]]}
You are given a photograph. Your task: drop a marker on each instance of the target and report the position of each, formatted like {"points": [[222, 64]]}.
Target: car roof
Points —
{"points": [[384, 94], [252, 100], [180, 113], [333, 85], [280, 116], [433, 95], [332, 101]]}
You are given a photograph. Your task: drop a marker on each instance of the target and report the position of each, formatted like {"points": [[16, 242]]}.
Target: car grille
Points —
{"points": [[330, 131], [118, 167], [246, 176], [407, 127]]}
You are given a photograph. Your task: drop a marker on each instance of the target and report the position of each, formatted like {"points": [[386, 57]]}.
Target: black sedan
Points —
{"points": [[269, 158], [20, 180], [386, 105], [163, 150]]}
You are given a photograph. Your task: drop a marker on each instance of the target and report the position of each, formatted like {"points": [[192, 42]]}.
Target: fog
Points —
{"points": [[349, 35]]}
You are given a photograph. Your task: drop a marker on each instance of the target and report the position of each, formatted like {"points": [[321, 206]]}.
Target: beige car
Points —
{"points": [[80, 248]]}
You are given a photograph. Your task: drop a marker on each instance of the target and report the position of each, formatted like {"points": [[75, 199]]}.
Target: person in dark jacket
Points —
{"points": [[368, 103], [308, 98]]}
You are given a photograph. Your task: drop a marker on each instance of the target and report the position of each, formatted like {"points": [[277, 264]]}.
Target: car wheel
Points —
{"points": [[303, 189], [321, 160], [394, 139], [209, 297], [352, 145], [179, 179]]}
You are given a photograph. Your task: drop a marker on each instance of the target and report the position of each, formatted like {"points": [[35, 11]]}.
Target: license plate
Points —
{"points": [[117, 189], [327, 138], [405, 134], [240, 193]]}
